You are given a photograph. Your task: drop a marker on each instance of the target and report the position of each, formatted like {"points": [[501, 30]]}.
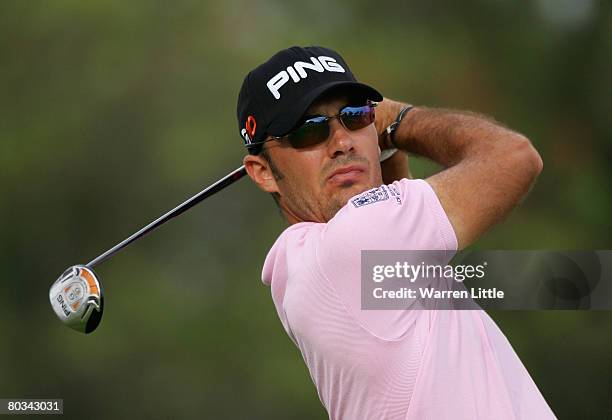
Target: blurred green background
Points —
{"points": [[112, 112]]}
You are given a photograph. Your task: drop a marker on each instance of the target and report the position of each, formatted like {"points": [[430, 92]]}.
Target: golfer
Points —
{"points": [[315, 139]]}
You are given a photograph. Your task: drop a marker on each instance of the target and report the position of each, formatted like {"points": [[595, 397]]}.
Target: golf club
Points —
{"points": [[76, 296]]}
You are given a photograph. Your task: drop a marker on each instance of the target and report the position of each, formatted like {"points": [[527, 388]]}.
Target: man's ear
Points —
{"points": [[260, 172]]}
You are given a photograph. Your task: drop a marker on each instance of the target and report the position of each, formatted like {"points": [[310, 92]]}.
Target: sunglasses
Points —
{"points": [[315, 130]]}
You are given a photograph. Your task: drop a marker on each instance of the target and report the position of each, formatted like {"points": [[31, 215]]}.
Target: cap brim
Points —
{"points": [[284, 122]]}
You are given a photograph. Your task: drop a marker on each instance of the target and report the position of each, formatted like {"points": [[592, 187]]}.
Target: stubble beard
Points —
{"points": [[322, 211]]}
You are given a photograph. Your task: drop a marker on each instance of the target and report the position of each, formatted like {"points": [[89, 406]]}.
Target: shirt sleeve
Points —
{"points": [[405, 215]]}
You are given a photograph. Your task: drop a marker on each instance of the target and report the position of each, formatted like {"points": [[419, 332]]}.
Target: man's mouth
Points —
{"points": [[346, 174]]}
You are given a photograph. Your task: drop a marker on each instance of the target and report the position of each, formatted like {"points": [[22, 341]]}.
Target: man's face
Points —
{"points": [[315, 182]]}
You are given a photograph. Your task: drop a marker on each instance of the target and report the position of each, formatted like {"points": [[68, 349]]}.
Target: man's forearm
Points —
{"points": [[448, 137], [395, 168]]}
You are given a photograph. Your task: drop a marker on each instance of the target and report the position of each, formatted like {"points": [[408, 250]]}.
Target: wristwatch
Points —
{"points": [[393, 126]]}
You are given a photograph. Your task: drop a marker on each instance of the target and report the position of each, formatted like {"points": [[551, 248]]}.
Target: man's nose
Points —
{"points": [[340, 141]]}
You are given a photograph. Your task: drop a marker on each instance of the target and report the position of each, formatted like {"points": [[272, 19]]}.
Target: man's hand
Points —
{"points": [[396, 167], [386, 112]]}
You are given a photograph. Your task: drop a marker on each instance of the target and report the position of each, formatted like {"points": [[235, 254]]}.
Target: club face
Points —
{"points": [[77, 299]]}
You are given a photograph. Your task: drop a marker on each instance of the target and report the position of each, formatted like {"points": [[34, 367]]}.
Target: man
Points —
{"points": [[315, 143]]}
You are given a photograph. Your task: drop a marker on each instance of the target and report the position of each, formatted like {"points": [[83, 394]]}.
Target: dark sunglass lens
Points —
{"points": [[357, 117], [313, 131]]}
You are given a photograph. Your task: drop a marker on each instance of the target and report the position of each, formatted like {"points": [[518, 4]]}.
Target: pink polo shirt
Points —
{"points": [[391, 364]]}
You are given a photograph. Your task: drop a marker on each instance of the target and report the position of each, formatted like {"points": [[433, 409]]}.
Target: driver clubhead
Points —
{"points": [[77, 300]]}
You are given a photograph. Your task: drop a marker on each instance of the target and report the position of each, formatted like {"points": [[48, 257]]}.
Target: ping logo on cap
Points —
{"points": [[297, 72]]}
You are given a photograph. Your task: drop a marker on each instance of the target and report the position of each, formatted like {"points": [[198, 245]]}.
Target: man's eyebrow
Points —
{"points": [[308, 115], [311, 113]]}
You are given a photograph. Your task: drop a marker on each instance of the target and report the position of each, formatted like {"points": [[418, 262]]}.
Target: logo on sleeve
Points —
{"points": [[369, 197], [395, 193]]}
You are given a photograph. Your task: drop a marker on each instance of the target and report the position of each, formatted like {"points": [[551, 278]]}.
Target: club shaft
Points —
{"points": [[180, 209]]}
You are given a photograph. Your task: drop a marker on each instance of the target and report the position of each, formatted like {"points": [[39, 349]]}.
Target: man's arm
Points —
{"points": [[489, 168], [395, 168]]}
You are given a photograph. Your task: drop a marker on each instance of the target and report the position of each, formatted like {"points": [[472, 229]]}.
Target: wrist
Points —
{"points": [[391, 130]]}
